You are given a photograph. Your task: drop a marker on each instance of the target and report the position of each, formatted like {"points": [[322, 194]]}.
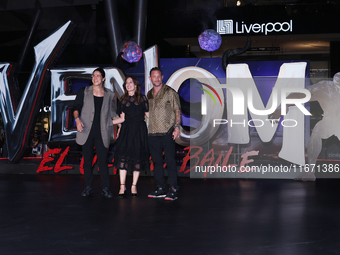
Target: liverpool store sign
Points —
{"points": [[230, 26]]}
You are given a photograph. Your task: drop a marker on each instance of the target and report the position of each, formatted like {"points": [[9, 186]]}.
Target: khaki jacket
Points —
{"points": [[108, 112]]}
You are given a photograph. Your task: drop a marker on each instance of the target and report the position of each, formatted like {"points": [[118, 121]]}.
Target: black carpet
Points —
{"points": [[45, 214]]}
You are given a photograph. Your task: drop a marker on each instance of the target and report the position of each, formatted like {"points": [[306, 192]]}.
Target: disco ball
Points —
{"points": [[131, 52], [210, 40]]}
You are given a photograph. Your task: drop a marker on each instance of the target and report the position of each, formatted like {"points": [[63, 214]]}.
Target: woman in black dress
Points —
{"points": [[131, 151]]}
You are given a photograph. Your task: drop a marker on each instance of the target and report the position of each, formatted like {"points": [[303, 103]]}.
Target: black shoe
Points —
{"points": [[122, 195], [172, 194], [159, 192], [106, 193], [134, 194], [87, 191]]}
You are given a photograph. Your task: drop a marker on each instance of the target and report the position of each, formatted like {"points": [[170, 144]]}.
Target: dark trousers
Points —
{"points": [[95, 141], [158, 144]]}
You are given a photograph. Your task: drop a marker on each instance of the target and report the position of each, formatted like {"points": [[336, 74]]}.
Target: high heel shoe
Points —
{"points": [[134, 194], [122, 195]]}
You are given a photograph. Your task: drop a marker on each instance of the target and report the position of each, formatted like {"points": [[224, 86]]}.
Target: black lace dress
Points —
{"points": [[131, 151]]}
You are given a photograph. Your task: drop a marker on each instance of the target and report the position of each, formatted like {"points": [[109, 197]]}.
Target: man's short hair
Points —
{"points": [[101, 70], [156, 69]]}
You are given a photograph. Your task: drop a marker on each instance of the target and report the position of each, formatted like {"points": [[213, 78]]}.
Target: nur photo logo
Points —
{"points": [[204, 98]]}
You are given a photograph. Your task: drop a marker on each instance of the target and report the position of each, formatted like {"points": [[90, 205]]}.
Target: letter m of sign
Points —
{"points": [[241, 89]]}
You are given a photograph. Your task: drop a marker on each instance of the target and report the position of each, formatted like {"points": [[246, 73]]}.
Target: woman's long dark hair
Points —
{"points": [[137, 91]]}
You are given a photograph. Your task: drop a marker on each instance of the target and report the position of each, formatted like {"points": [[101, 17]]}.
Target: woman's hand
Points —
{"points": [[117, 135], [119, 120]]}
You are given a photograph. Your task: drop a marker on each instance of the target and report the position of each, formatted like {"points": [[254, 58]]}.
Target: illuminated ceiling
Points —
{"points": [[91, 35]]}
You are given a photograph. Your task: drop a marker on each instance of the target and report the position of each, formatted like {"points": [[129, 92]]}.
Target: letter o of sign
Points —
{"points": [[205, 130]]}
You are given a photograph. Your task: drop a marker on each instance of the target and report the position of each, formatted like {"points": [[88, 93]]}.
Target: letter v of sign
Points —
{"points": [[19, 120]]}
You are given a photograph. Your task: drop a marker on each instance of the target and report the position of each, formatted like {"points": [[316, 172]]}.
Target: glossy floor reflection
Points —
{"points": [[45, 214]]}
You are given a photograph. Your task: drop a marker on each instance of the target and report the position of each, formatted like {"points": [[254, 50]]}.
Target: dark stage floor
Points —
{"points": [[45, 214]]}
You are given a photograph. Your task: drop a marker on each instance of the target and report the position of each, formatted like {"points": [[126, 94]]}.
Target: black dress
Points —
{"points": [[131, 151]]}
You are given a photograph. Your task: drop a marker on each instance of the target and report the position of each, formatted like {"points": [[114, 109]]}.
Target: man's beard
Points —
{"points": [[157, 85]]}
